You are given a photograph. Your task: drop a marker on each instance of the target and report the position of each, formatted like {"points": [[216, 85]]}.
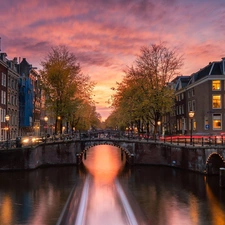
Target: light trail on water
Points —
{"points": [[106, 201]]}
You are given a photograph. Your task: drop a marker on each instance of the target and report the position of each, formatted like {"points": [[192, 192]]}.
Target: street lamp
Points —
{"points": [[58, 125], [46, 124], [159, 123], [191, 115], [7, 117]]}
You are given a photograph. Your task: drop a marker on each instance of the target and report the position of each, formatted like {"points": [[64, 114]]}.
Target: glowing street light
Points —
{"points": [[191, 114], [46, 124], [7, 118]]}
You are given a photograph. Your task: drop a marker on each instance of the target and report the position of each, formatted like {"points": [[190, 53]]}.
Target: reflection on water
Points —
{"points": [[104, 163], [166, 195], [218, 213], [176, 197], [104, 206], [35, 197]]}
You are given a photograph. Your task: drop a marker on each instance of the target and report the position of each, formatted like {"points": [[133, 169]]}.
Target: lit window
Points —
{"points": [[216, 86], [216, 101], [217, 125], [194, 125]]}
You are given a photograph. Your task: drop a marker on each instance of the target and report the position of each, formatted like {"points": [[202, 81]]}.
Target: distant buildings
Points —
{"points": [[20, 98], [204, 93]]}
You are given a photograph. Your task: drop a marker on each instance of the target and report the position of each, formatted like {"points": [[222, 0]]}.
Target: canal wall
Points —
{"points": [[203, 159], [58, 153], [207, 159]]}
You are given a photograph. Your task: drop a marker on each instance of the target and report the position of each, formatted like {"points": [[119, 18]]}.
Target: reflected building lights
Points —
{"points": [[218, 215], [6, 211], [194, 211]]}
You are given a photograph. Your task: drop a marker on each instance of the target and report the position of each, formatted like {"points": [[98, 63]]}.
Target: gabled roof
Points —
{"points": [[213, 68], [217, 69], [182, 82], [203, 72]]}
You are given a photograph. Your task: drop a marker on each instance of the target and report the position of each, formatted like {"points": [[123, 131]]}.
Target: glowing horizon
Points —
{"points": [[106, 36]]}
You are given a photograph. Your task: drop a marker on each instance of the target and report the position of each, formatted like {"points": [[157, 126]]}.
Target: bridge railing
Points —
{"points": [[195, 140], [175, 140]]}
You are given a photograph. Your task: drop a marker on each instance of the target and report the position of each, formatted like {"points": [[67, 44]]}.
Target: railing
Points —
{"points": [[194, 141], [185, 140]]}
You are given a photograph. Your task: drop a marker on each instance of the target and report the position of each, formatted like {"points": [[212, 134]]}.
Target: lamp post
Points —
{"points": [[58, 126], [159, 123], [46, 124], [191, 115], [7, 117]]}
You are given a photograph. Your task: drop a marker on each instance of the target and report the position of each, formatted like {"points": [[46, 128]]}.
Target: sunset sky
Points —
{"points": [[106, 35]]}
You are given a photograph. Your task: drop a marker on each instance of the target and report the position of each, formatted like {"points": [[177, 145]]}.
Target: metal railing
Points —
{"points": [[175, 140]]}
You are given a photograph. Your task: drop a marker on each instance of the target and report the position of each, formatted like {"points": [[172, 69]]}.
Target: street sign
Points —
{"points": [[207, 126]]}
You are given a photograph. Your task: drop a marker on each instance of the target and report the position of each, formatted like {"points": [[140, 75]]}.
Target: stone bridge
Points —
{"points": [[203, 159]]}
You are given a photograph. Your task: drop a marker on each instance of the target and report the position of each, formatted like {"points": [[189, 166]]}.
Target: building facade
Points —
{"points": [[203, 93], [3, 95]]}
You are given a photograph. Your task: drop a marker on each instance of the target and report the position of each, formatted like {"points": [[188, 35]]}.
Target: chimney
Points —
{"points": [[15, 60], [3, 56], [223, 65]]}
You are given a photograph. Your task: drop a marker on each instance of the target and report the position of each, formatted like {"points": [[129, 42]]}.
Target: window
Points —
{"points": [[3, 79], [194, 125], [182, 96], [193, 105], [217, 124], [216, 102], [189, 106], [3, 97], [180, 109], [12, 85], [192, 92], [216, 85]]}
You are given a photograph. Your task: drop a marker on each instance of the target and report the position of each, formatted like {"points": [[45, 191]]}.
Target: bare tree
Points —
{"points": [[153, 69]]}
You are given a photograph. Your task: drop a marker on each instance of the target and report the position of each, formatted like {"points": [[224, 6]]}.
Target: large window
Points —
{"points": [[216, 101], [216, 85], [217, 122]]}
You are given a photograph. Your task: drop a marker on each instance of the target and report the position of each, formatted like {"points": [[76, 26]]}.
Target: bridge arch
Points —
{"points": [[214, 162], [128, 155]]}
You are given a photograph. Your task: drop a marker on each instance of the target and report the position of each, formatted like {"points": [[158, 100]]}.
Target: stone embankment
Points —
{"points": [[203, 159]]}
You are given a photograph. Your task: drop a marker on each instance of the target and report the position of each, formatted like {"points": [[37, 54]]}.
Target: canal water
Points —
{"points": [[161, 195]]}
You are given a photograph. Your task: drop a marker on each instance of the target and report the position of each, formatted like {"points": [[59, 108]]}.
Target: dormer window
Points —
{"points": [[216, 85]]}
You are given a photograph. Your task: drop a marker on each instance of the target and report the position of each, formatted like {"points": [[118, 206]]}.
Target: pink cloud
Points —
{"points": [[107, 35]]}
